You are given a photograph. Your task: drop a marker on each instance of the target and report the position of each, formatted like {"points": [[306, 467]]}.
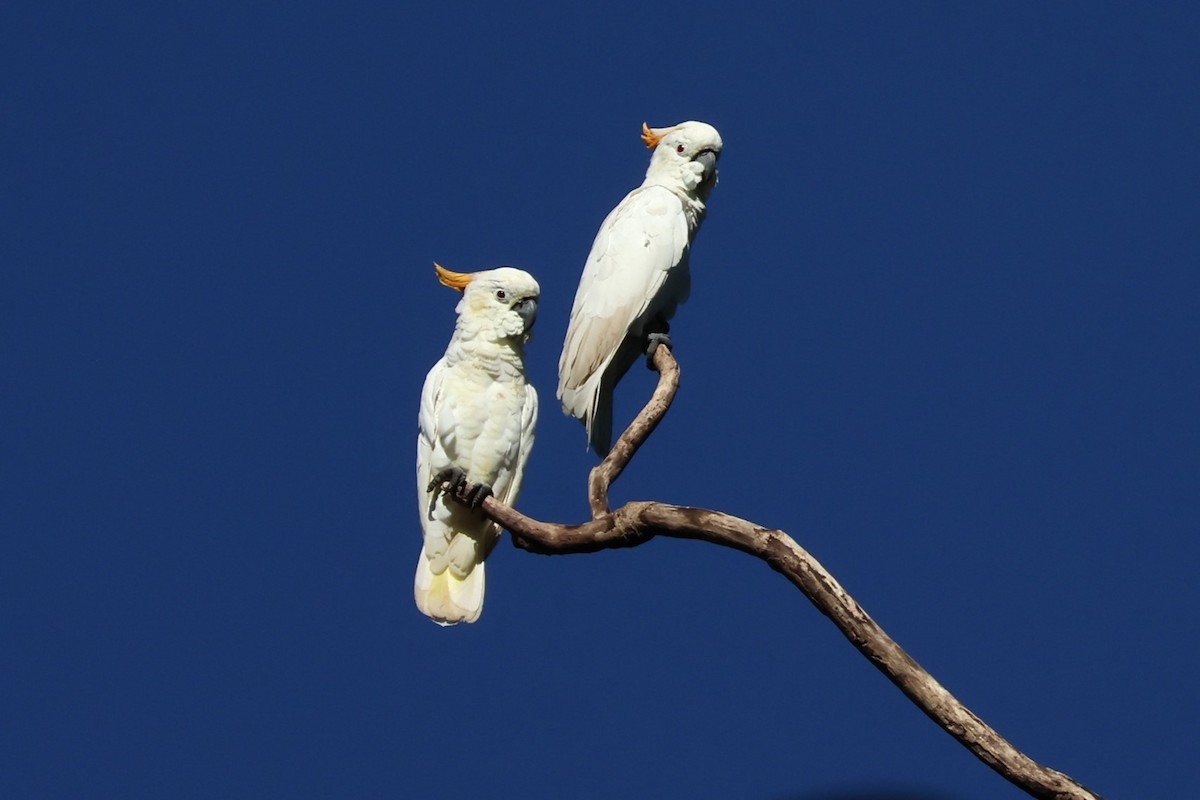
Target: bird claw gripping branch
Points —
{"points": [[453, 481], [450, 480], [653, 340]]}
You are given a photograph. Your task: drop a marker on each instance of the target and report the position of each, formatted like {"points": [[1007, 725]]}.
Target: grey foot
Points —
{"points": [[653, 340], [476, 494], [451, 479]]}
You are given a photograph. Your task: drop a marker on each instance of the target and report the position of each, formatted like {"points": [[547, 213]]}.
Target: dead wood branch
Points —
{"points": [[638, 522], [608, 470]]}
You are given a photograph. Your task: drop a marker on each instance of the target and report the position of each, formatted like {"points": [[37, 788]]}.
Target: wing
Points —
{"points": [[639, 244], [529, 416], [431, 456]]}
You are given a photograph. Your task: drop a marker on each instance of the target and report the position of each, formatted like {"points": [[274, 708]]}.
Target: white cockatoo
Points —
{"points": [[478, 413], [636, 274]]}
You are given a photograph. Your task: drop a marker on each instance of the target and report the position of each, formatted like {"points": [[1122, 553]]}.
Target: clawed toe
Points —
{"points": [[476, 494], [451, 479]]}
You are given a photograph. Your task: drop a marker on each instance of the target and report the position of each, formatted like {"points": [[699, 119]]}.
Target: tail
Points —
{"points": [[598, 413], [591, 404], [599, 419], [446, 598]]}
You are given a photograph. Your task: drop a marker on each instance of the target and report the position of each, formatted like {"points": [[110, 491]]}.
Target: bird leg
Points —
{"points": [[656, 334]]}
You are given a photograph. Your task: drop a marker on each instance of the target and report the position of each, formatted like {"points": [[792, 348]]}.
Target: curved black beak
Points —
{"points": [[709, 160], [527, 308]]}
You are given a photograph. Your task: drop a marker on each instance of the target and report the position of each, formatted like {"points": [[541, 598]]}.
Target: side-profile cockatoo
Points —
{"points": [[636, 273], [478, 413]]}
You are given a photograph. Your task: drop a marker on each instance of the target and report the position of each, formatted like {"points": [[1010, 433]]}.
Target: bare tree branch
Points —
{"points": [[608, 470], [638, 522]]}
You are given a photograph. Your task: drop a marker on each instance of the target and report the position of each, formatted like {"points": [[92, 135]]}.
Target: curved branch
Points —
{"points": [[638, 522], [607, 471]]}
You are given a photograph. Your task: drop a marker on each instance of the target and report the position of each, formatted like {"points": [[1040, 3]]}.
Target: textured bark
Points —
{"points": [[638, 522]]}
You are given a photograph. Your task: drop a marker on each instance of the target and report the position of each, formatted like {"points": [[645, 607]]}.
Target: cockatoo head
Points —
{"points": [[685, 154], [498, 304]]}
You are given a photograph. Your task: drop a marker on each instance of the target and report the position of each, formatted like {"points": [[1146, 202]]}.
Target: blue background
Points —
{"points": [[943, 330]]}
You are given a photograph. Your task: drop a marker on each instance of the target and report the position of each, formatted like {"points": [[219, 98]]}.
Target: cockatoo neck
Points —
{"points": [[685, 180], [479, 344], [678, 176], [683, 187]]}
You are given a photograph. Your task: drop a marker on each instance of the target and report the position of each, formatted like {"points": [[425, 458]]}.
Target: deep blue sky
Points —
{"points": [[943, 330]]}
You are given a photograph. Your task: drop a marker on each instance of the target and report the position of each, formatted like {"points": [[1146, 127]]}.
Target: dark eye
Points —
{"points": [[678, 148], [500, 295]]}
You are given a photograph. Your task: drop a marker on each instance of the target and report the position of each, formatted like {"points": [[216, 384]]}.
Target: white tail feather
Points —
{"points": [[446, 599], [599, 419]]}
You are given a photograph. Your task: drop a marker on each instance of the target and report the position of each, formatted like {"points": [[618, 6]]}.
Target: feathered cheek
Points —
{"points": [[693, 173], [512, 324]]}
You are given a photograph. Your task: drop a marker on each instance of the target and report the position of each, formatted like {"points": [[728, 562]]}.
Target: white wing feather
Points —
{"points": [[637, 269], [529, 415], [427, 439]]}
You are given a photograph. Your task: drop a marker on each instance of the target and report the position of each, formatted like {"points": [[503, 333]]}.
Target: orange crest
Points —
{"points": [[455, 280], [650, 137]]}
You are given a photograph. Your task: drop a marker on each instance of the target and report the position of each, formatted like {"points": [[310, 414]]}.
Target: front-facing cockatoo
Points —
{"points": [[478, 413], [636, 274]]}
